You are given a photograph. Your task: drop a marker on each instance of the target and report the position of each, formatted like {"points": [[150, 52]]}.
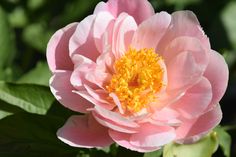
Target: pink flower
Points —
{"points": [[141, 79]]}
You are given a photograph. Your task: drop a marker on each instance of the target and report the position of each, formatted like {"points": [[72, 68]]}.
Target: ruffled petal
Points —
{"points": [[183, 23], [58, 50], [139, 9], [83, 131], [62, 90], [115, 117], [82, 41], [151, 31], [103, 28], [190, 44], [124, 28], [183, 72], [113, 125]]}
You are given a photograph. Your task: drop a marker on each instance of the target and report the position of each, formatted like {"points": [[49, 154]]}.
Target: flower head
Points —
{"points": [[141, 79]]}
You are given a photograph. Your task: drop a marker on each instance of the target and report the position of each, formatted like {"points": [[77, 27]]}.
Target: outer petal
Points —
{"points": [[58, 50], [151, 31], [139, 9], [198, 126], [124, 141], [62, 90], [152, 136], [184, 23], [218, 74], [195, 100], [82, 41], [84, 131]]}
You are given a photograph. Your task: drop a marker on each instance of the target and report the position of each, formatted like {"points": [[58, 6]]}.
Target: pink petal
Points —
{"points": [[113, 125], [98, 77], [165, 116], [186, 43], [183, 72], [82, 41], [98, 94], [200, 125], [103, 27], [195, 100], [151, 31], [152, 136], [84, 94], [123, 31], [83, 131], [217, 73], [58, 50], [139, 9], [183, 23], [62, 90], [82, 66], [115, 117], [105, 62], [123, 140]]}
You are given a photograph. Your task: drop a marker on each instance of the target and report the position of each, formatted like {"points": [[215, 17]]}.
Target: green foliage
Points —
{"points": [[224, 140], [228, 18], [203, 148], [157, 153], [29, 97], [30, 135], [7, 50], [39, 75]]}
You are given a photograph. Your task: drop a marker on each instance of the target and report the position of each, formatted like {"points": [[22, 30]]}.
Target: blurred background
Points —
{"points": [[27, 25]]}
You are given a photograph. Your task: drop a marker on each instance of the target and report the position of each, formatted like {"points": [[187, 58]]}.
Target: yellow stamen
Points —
{"points": [[138, 77]]}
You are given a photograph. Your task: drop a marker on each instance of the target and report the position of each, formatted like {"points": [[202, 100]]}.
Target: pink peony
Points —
{"points": [[141, 79]]}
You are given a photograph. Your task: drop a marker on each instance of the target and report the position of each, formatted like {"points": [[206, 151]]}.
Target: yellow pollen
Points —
{"points": [[138, 77]]}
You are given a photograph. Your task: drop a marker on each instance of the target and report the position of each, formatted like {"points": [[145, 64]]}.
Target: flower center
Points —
{"points": [[138, 77]]}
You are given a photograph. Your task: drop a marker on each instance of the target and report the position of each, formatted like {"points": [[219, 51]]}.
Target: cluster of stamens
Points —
{"points": [[138, 77]]}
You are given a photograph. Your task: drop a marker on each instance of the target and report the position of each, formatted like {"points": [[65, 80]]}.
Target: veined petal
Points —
{"points": [[82, 41], [83, 131], [139, 9], [150, 32]]}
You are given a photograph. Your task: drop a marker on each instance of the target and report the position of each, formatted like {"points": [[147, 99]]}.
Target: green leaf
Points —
{"points": [[30, 135], [7, 50], [31, 98], [4, 114], [39, 75], [224, 140], [228, 19], [39, 34], [8, 109], [157, 153], [203, 148]]}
